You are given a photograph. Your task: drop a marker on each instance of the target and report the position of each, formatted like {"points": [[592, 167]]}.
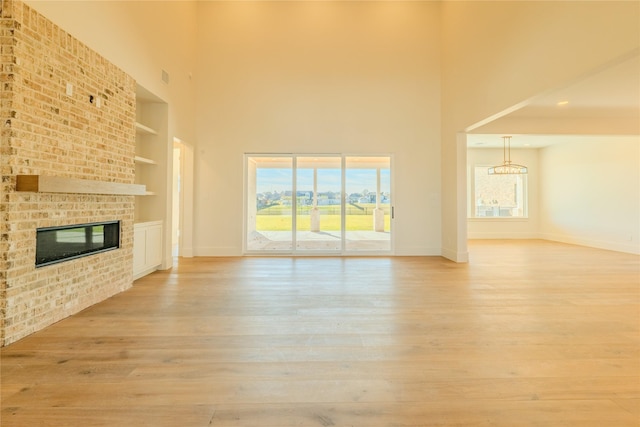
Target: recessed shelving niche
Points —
{"points": [[151, 157]]}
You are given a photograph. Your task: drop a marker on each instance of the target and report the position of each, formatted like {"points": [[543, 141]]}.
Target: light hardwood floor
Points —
{"points": [[528, 333]]}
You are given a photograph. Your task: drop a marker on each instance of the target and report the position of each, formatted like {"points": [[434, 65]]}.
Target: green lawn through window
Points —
{"points": [[278, 218]]}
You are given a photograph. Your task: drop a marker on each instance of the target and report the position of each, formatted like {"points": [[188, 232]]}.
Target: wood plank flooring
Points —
{"points": [[528, 333]]}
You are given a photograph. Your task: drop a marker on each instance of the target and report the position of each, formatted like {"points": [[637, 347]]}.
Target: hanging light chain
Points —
{"points": [[507, 167]]}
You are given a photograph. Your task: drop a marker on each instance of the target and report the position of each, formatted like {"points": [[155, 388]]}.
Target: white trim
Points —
{"points": [[419, 251], [455, 256], [219, 251], [593, 243], [471, 196], [498, 219], [502, 235]]}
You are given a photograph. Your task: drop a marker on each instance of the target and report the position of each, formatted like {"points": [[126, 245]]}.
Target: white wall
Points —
{"points": [[585, 191], [318, 77], [507, 228], [590, 193], [354, 77], [497, 54]]}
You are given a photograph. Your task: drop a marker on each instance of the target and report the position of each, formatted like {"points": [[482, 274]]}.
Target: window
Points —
{"points": [[501, 196]]}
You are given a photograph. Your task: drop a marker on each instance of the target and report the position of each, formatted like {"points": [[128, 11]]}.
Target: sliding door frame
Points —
{"points": [[294, 251]]}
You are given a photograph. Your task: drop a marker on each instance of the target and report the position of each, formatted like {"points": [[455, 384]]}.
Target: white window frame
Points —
{"points": [[471, 202]]}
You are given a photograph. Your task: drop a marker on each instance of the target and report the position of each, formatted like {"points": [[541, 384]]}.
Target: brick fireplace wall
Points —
{"points": [[46, 131]]}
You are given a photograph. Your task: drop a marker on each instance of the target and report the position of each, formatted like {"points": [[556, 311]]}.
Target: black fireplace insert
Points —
{"points": [[58, 244]]}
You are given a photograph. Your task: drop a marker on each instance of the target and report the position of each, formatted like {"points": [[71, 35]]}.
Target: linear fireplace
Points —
{"points": [[58, 244]]}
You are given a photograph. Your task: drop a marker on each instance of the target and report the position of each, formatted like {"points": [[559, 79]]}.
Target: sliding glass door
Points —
{"points": [[269, 225], [318, 204], [368, 198]]}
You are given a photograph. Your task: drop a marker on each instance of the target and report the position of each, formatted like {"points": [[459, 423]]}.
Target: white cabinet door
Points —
{"points": [[139, 250], [154, 245], [147, 248]]}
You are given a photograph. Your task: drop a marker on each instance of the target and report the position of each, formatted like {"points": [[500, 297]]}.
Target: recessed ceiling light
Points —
{"points": [[562, 103]]}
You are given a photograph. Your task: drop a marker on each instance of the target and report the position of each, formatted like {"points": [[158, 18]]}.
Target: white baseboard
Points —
{"points": [[502, 235], [417, 251], [455, 256], [222, 251], [186, 252], [593, 243], [145, 272]]}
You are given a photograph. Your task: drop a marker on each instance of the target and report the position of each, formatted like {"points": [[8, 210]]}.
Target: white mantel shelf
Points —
{"points": [[59, 184]]}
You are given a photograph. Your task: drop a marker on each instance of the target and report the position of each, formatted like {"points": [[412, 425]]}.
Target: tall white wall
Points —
{"points": [[590, 193], [405, 78], [318, 77]]}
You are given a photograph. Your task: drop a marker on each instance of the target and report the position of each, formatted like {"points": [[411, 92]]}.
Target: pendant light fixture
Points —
{"points": [[507, 167]]}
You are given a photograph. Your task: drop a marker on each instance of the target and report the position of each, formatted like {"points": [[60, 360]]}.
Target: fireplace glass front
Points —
{"points": [[58, 244]]}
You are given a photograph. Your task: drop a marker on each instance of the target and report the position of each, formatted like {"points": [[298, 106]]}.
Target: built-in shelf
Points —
{"points": [[59, 184], [139, 159], [152, 158], [140, 128]]}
